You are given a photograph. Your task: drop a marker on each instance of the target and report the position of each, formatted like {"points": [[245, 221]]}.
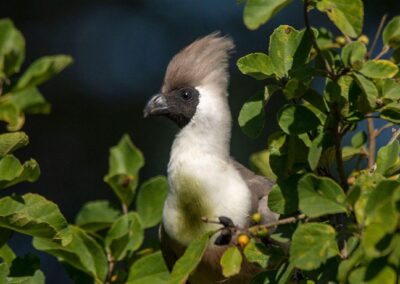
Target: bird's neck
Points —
{"points": [[209, 130]]}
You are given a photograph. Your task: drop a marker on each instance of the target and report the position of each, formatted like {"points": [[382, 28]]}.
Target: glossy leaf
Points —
{"points": [[37, 278], [96, 215], [257, 65], [13, 172], [231, 261], [123, 173], [283, 198], [149, 269], [150, 201], [319, 196], [391, 33], [252, 116], [9, 142], [387, 156], [368, 88], [257, 253], [79, 250], [42, 70], [346, 15], [319, 239], [189, 260], [353, 54], [258, 12], [297, 119], [12, 48], [391, 112], [379, 69], [125, 236], [259, 163], [359, 139], [31, 214]]}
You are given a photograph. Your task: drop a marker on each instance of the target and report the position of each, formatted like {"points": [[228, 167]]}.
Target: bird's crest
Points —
{"points": [[205, 61]]}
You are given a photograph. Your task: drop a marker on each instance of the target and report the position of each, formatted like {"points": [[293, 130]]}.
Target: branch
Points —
{"points": [[395, 136], [377, 34], [384, 50], [124, 208], [111, 265], [281, 222]]}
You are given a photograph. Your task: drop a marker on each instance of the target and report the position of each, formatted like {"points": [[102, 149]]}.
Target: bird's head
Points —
{"points": [[193, 75]]}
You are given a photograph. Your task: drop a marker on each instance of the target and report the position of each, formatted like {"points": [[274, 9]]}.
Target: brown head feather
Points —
{"points": [[202, 62]]}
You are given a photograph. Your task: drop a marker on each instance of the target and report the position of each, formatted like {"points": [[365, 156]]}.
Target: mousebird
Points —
{"points": [[205, 182]]}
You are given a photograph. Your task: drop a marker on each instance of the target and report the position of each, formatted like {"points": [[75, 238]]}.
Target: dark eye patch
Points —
{"points": [[182, 104]]}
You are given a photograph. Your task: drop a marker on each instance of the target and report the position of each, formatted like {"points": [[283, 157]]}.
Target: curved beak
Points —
{"points": [[157, 105]]}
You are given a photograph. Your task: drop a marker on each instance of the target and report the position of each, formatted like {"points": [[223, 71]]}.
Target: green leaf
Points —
{"points": [[123, 174], [391, 89], [125, 236], [283, 198], [322, 142], [9, 142], [379, 69], [30, 100], [346, 15], [391, 33], [12, 172], [387, 156], [257, 65], [391, 112], [150, 201], [231, 262], [259, 163], [283, 45], [78, 250], [320, 196], [11, 114], [42, 70], [297, 119], [7, 255], [37, 278], [353, 54], [375, 274], [149, 269], [31, 214], [96, 215], [252, 116], [312, 245], [257, 253], [381, 216], [189, 260], [12, 48], [359, 139], [368, 88], [258, 12]]}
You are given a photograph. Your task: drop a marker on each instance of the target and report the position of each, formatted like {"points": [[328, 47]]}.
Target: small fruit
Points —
{"points": [[340, 40], [363, 39], [256, 217], [243, 240]]}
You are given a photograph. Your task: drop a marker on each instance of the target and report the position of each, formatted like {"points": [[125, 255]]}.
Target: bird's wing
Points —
{"points": [[259, 187]]}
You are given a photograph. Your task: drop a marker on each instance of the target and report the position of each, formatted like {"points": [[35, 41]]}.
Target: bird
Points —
{"points": [[205, 182]]}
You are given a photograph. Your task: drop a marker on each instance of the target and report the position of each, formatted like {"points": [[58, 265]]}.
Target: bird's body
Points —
{"points": [[204, 181]]}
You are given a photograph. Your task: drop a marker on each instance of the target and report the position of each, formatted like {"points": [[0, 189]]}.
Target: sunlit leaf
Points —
{"points": [[257, 65], [150, 201], [13, 172], [258, 12], [319, 239], [12, 48], [391, 33], [10, 142], [231, 261], [123, 173], [149, 269], [252, 116], [97, 215], [346, 15], [379, 69]]}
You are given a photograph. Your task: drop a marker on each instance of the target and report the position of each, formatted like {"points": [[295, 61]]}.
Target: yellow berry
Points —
{"points": [[114, 278], [256, 217], [340, 40], [363, 39], [243, 240]]}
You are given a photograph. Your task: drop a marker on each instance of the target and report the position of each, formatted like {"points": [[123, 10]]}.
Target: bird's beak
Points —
{"points": [[157, 105]]}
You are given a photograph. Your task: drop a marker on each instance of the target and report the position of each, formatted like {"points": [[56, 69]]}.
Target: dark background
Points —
{"points": [[121, 49]]}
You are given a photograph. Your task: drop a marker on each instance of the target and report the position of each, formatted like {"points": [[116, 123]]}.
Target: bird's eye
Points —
{"points": [[186, 94]]}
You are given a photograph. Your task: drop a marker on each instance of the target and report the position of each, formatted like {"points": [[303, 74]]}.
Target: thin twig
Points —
{"points": [[281, 222], [111, 264], [372, 142], [395, 136], [314, 41], [380, 130], [377, 34], [384, 50], [124, 208]]}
